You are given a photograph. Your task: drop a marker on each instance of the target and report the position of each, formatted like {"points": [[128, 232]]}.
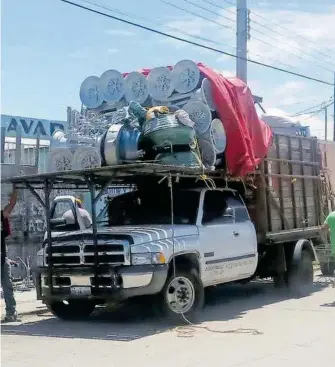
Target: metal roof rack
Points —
{"points": [[119, 174]]}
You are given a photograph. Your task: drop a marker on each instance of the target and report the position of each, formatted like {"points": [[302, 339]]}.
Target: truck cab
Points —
{"points": [[144, 250]]}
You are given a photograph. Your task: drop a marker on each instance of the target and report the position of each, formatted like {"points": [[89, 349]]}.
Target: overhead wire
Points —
{"points": [[196, 15], [220, 24], [319, 107], [209, 10], [254, 38], [295, 33], [195, 43], [229, 2], [289, 40], [132, 16], [147, 20], [302, 56], [295, 103], [293, 53], [220, 7]]}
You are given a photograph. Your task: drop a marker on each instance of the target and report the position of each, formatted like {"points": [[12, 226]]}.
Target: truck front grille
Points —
{"points": [[82, 253]]}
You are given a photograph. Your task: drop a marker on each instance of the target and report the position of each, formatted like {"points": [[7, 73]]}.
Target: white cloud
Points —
{"points": [[277, 51], [315, 123], [288, 93], [278, 47], [282, 43], [226, 73], [119, 32]]}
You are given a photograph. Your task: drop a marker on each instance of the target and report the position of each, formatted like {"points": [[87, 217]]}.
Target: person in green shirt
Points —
{"points": [[329, 226]]}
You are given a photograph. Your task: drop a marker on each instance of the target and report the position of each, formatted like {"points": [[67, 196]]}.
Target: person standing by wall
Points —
{"points": [[6, 282], [329, 226]]}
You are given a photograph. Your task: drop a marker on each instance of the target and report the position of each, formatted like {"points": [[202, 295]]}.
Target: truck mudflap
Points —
{"points": [[113, 284]]}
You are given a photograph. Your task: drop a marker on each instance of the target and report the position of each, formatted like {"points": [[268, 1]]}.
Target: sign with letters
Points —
{"points": [[31, 127]]}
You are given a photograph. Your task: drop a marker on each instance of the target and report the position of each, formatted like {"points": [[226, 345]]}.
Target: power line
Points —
{"points": [[290, 52], [272, 30], [319, 107], [269, 36], [178, 30], [220, 24], [195, 43], [229, 2], [295, 103], [220, 7], [290, 32], [209, 10], [197, 15], [132, 16], [309, 54], [254, 38]]}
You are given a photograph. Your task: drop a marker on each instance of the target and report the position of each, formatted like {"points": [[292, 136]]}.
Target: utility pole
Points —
{"points": [[326, 123], [241, 39]]}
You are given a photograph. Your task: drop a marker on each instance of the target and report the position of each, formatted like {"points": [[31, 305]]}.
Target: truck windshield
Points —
{"points": [[147, 208]]}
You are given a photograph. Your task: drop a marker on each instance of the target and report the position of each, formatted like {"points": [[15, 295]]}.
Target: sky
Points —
{"points": [[48, 48]]}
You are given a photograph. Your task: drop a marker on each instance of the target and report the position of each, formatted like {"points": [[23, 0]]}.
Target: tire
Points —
{"points": [[327, 268], [74, 310], [301, 276], [183, 294]]}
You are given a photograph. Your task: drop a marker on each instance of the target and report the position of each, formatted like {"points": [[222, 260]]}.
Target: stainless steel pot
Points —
{"points": [[120, 143]]}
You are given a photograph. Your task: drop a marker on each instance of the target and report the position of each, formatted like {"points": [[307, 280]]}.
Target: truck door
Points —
{"points": [[226, 250], [247, 239]]}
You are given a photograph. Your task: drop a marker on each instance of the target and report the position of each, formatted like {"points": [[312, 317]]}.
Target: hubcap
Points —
{"points": [[180, 295]]}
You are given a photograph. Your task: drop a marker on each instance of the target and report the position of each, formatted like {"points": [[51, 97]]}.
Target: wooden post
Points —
{"points": [[293, 197], [18, 150], [302, 171], [3, 136], [37, 154], [281, 201]]}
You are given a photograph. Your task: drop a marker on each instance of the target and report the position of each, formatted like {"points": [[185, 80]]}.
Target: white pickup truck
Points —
{"points": [[211, 241], [143, 243]]}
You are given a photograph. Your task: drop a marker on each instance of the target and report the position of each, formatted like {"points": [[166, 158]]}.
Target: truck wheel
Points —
{"points": [[183, 294], [327, 268], [301, 276], [73, 310]]}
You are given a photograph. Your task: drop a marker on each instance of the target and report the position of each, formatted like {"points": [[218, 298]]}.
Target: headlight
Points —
{"points": [[40, 258], [148, 258]]}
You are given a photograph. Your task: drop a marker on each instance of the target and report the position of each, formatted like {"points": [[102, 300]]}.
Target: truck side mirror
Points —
{"points": [[229, 213], [55, 222]]}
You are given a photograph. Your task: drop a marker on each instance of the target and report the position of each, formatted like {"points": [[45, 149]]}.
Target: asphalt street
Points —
{"points": [[251, 325]]}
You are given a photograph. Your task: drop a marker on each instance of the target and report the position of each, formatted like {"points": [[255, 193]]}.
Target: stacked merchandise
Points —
{"points": [[169, 115]]}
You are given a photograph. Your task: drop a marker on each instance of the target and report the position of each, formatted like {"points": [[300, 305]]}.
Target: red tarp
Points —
{"points": [[248, 138]]}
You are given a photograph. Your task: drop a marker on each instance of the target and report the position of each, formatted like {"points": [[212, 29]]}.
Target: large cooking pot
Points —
{"points": [[166, 128], [120, 143]]}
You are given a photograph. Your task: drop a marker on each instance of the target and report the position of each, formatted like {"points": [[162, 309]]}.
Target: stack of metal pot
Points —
{"points": [[169, 116]]}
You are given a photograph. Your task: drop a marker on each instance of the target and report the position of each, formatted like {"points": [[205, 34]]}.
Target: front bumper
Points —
{"points": [[113, 284]]}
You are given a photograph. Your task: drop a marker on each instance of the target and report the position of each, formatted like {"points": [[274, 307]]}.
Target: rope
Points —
{"points": [[190, 330]]}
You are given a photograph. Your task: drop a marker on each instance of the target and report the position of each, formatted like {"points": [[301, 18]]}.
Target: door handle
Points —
{"points": [[236, 234]]}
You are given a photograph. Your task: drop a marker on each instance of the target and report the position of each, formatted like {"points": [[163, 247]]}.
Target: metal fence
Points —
{"points": [[18, 152]]}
